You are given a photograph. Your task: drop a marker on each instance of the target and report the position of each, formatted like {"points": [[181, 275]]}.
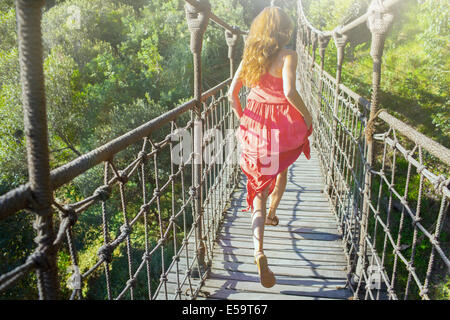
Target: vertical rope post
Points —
{"points": [[299, 41], [36, 132], [308, 38], [379, 23], [304, 35], [323, 43], [314, 41], [232, 38], [340, 40], [197, 22]]}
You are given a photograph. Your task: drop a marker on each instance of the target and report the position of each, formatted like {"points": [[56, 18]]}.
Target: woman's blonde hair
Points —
{"points": [[269, 32]]}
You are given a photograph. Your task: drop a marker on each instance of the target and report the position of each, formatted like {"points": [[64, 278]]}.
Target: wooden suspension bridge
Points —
{"points": [[339, 237]]}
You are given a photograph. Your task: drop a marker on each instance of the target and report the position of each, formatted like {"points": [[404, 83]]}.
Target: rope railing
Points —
{"points": [[386, 5], [389, 200], [178, 233]]}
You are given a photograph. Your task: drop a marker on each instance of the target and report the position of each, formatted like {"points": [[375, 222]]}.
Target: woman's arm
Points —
{"points": [[290, 91], [233, 93]]}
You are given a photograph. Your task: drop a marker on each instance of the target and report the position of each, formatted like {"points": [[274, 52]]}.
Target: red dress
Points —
{"points": [[271, 136]]}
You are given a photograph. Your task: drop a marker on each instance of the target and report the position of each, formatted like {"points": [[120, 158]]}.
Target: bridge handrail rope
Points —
{"points": [[345, 136], [206, 196], [436, 149], [20, 198], [387, 4]]}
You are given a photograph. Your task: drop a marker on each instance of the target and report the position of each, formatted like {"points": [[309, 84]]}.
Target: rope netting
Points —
{"points": [[377, 177], [180, 211]]}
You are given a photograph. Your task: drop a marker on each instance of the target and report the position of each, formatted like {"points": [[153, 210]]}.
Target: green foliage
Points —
{"points": [[7, 29], [443, 290], [5, 5], [64, 105], [109, 66], [326, 14], [12, 145], [414, 71], [16, 243]]}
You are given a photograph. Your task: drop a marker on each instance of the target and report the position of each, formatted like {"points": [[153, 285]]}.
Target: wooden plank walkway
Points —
{"points": [[304, 251]]}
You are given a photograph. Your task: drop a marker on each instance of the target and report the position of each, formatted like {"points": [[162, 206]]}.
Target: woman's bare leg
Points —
{"points": [[266, 276], [258, 220], [278, 191]]}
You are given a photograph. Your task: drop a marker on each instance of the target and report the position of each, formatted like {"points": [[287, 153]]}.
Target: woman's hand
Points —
{"points": [[238, 112], [233, 93], [306, 117], [235, 104], [308, 120]]}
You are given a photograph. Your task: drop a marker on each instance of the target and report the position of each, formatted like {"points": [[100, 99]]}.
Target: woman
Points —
{"points": [[275, 125]]}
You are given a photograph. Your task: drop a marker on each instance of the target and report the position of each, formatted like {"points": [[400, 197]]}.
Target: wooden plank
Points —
{"points": [[291, 216], [288, 216], [226, 294], [210, 292], [276, 256], [286, 226], [313, 286], [295, 172], [286, 251], [281, 228], [292, 233], [290, 211], [298, 219], [247, 286], [246, 220], [297, 195], [231, 269], [289, 236], [303, 196], [285, 254], [294, 204], [288, 204], [297, 280], [309, 269], [280, 247], [315, 189], [291, 242], [294, 188], [297, 178], [234, 262], [281, 280], [299, 243], [249, 259]]}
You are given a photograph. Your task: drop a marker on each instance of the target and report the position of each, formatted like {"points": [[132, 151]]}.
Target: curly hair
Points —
{"points": [[269, 32]]}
